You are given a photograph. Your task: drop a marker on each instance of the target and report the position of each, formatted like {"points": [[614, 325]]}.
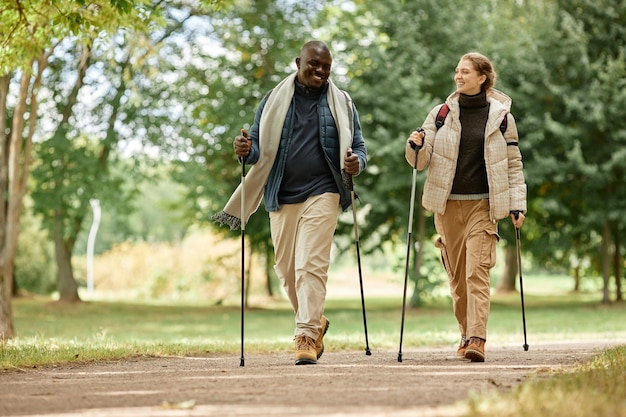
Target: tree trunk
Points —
{"points": [[606, 262], [7, 330], [577, 278], [15, 161], [506, 283], [68, 288]]}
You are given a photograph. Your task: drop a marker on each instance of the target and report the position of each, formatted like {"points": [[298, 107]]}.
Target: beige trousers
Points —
{"points": [[468, 251], [303, 235]]}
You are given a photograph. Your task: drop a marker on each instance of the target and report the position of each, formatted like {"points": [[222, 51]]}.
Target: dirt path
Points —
{"points": [[428, 382]]}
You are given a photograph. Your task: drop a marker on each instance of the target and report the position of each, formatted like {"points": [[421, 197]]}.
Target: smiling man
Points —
{"points": [[305, 138]]}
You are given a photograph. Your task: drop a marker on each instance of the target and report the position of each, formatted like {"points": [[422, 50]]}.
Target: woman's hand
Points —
{"points": [[518, 219]]}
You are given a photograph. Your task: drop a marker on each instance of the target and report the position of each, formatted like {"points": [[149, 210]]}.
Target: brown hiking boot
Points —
{"points": [[319, 343], [475, 351], [305, 350], [460, 352]]}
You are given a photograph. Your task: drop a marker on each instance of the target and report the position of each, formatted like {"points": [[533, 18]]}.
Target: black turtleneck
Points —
{"points": [[306, 171], [471, 174]]}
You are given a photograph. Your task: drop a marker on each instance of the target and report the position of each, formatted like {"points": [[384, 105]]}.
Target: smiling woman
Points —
{"points": [[475, 179]]}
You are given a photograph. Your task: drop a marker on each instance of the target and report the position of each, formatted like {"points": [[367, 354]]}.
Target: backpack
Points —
{"points": [[443, 113]]}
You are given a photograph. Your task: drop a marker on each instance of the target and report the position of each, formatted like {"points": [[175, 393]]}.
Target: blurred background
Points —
{"points": [[132, 106]]}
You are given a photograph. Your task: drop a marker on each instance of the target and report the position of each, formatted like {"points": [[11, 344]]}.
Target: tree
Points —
{"points": [[581, 158], [84, 166], [30, 32], [118, 102]]}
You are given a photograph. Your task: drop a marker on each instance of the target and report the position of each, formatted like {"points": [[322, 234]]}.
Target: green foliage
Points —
{"points": [[28, 29], [574, 147]]}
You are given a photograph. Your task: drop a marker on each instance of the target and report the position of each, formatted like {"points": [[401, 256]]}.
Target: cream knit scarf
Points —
{"points": [[270, 130]]}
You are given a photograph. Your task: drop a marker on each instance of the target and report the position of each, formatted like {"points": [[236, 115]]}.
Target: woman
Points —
{"points": [[474, 179]]}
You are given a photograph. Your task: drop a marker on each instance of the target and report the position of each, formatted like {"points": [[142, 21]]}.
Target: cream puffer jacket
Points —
{"points": [[503, 159]]}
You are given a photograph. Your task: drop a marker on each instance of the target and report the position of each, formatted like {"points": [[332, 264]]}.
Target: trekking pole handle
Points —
{"points": [[413, 145], [246, 136], [348, 177]]}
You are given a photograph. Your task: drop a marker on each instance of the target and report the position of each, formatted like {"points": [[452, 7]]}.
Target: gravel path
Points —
{"points": [[428, 382]]}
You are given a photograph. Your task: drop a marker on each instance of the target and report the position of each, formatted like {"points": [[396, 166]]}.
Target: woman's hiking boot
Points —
{"points": [[475, 351]]}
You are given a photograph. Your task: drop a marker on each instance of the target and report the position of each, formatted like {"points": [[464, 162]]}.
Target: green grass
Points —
{"points": [[594, 389], [51, 333]]}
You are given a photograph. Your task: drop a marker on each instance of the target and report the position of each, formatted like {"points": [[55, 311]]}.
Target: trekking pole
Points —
{"points": [[408, 241], [358, 258], [521, 283], [243, 248]]}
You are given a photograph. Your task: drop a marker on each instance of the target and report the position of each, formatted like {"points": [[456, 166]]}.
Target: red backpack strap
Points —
{"points": [[441, 115], [504, 124]]}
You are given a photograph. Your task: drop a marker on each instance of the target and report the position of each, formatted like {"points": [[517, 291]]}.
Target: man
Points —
{"points": [[306, 137]]}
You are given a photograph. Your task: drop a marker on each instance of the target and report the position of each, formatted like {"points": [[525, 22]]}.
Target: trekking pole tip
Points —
{"points": [[525, 347], [368, 352]]}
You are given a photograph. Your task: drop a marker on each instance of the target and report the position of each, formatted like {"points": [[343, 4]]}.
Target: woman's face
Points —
{"points": [[468, 81]]}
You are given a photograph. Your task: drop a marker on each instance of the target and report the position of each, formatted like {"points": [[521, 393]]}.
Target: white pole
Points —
{"points": [[95, 205]]}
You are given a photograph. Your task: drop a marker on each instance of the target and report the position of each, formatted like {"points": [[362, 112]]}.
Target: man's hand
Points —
{"points": [[351, 163], [242, 144]]}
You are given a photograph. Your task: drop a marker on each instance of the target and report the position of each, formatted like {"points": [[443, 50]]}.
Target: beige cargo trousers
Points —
{"points": [[303, 235], [468, 250]]}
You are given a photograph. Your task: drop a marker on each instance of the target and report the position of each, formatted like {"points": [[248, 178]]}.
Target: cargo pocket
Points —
{"points": [[444, 256], [488, 249]]}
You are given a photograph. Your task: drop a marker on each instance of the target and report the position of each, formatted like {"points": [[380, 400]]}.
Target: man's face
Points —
{"points": [[314, 65]]}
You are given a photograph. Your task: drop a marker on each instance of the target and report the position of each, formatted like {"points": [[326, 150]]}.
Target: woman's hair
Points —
{"points": [[483, 65]]}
